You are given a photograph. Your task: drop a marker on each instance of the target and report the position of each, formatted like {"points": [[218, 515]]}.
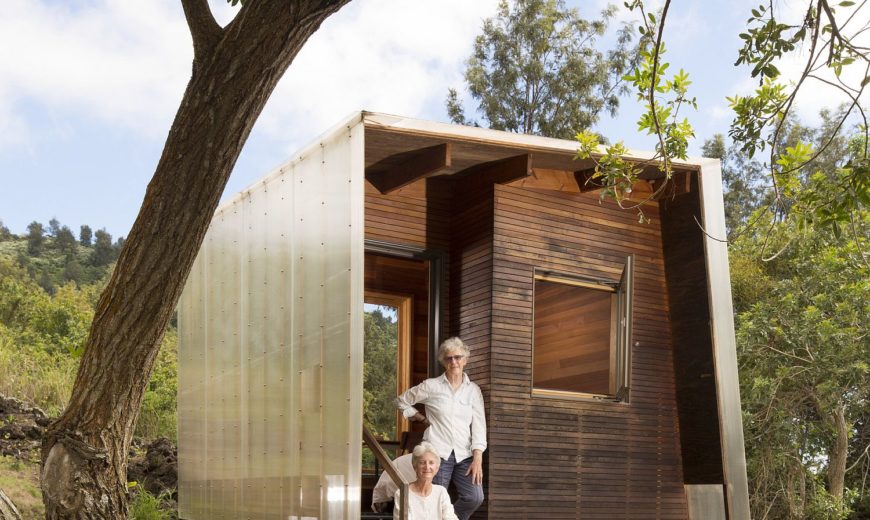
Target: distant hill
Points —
{"points": [[55, 257]]}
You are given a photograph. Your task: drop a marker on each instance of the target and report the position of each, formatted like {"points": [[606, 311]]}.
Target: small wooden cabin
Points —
{"points": [[604, 346]]}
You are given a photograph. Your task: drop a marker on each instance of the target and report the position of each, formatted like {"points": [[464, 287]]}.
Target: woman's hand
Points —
{"points": [[418, 417], [476, 468]]}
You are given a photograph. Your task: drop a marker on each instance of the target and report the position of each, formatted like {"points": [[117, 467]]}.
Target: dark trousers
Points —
{"points": [[470, 496]]}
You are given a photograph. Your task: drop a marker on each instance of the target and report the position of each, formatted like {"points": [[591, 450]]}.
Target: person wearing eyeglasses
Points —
{"points": [[457, 425]]}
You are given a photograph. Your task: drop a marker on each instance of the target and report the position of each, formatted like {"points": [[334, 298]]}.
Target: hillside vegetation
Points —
{"points": [[49, 284]]}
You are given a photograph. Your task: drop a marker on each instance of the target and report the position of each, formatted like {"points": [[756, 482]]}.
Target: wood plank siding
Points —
{"points": [[560, 458], [693, 355], [550, 458], [416, 215]]}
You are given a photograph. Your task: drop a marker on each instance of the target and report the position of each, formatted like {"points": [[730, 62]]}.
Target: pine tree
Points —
{"points": [[65, 241], [4, 232], [35, 238], [73, 271], [86, 236], [53, 227], [103, 253]]}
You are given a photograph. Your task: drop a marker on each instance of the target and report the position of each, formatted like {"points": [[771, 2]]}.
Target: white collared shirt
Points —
{"points": [[456, 419], [435, 506]]}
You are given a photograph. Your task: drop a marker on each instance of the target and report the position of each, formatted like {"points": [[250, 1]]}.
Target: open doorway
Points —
{"points": [[386, 369], [399, 324]]}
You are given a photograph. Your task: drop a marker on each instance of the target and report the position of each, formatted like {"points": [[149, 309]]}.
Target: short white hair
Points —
{"points": [[422, 449], [453, 344]]}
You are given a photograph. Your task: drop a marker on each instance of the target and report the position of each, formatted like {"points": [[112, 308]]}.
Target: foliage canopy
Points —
{"points": [[536, 69]]}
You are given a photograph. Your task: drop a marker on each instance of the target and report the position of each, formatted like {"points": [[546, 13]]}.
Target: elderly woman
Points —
{"points": [[426, 501], [457, 425]]}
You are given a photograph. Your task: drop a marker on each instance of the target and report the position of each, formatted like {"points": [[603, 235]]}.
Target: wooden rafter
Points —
{"points": [[502, 171], [678, 184], [585, 181], [402, 169]]}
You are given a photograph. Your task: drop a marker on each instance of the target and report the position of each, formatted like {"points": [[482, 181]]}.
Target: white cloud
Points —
{"points": [[394, 56], [126, 63], [718, 112], [122, 62]]}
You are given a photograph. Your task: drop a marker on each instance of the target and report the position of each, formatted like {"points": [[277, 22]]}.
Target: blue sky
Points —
{"points": [[88, 89]]}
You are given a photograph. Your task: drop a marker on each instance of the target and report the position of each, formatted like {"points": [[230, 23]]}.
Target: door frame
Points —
{"points": [[403, 303], [437, 264]]}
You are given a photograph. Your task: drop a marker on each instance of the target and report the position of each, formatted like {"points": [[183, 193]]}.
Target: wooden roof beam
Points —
{"points": [[585, 181], [415, 165], [502, 171], [679, 183]]}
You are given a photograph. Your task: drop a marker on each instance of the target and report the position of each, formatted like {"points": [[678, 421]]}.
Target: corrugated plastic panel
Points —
{"points": [[270, 358]]}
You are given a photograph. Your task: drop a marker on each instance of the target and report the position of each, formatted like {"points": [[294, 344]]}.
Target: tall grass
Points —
{"points": [[34, 375], [45, 379], [145, 506], [158, 415], [42, 337]]}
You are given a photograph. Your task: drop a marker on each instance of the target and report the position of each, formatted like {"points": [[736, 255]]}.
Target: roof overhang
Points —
{"points": [[401, 150]]}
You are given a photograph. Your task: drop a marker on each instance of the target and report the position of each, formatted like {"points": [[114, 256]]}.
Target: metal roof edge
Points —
{"points": [[499, 137], [353, 119]]}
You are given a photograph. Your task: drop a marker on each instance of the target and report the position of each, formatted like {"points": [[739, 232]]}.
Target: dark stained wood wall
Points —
{"points": [[579, 458], [417, 215], [550, 458], [693, 353], [471, 277], [471, 285]]}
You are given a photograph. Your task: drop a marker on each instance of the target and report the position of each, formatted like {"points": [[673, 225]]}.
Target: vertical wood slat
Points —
{"points": [[584, 459], [551, 458]]}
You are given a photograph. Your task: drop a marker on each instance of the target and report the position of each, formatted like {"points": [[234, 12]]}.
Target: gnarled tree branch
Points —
{"points": [[204, 30]]}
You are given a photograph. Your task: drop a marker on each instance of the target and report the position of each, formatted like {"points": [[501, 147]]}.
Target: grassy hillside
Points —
{"points": [[47, 299], [47, 303]]}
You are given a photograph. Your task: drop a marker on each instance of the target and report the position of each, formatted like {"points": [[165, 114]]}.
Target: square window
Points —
{"points": [[581, 336]]}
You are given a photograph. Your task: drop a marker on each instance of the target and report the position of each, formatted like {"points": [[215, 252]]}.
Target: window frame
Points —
{"points": [[404, 315], [619, 372]]}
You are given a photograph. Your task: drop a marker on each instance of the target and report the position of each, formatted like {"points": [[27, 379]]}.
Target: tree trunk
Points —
{"points": [[7, 508], [839, 454], [235, 70]]}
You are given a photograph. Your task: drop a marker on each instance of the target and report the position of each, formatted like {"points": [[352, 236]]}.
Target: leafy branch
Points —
{"points": [[663, 99], [800, 193]]}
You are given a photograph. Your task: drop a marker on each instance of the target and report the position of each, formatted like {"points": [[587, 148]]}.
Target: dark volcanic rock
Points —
{"points": [[154, 465], [157, 470], [21, 428]]}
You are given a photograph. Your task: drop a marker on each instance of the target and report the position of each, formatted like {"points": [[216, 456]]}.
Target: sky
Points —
{"points": [[89, 88]]}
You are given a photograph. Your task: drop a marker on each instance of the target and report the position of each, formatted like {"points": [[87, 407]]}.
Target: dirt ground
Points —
{"points": [[152, 465]]}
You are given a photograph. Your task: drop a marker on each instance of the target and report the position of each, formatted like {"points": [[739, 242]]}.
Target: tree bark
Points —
{"points": [[839, 453], [8, 511], [235, 70]]}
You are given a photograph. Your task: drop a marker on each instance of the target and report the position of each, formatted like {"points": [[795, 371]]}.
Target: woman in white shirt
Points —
{"points": [[457, 425], [426, 501]]}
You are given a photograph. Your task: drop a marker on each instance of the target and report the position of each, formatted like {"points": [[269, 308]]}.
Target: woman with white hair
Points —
{"points": [[457, 425], [426, 501]]}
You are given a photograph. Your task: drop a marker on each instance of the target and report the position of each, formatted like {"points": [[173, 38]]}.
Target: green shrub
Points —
{"points": [[145, 506], [158, 415], [35, 375]]}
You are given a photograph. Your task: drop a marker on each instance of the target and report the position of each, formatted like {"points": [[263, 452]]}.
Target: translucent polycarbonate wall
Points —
{"points": [[724, 342], [270, 354]]}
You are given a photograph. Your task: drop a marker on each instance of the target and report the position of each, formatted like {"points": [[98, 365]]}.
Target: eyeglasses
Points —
{"points": [[450, 359]]}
